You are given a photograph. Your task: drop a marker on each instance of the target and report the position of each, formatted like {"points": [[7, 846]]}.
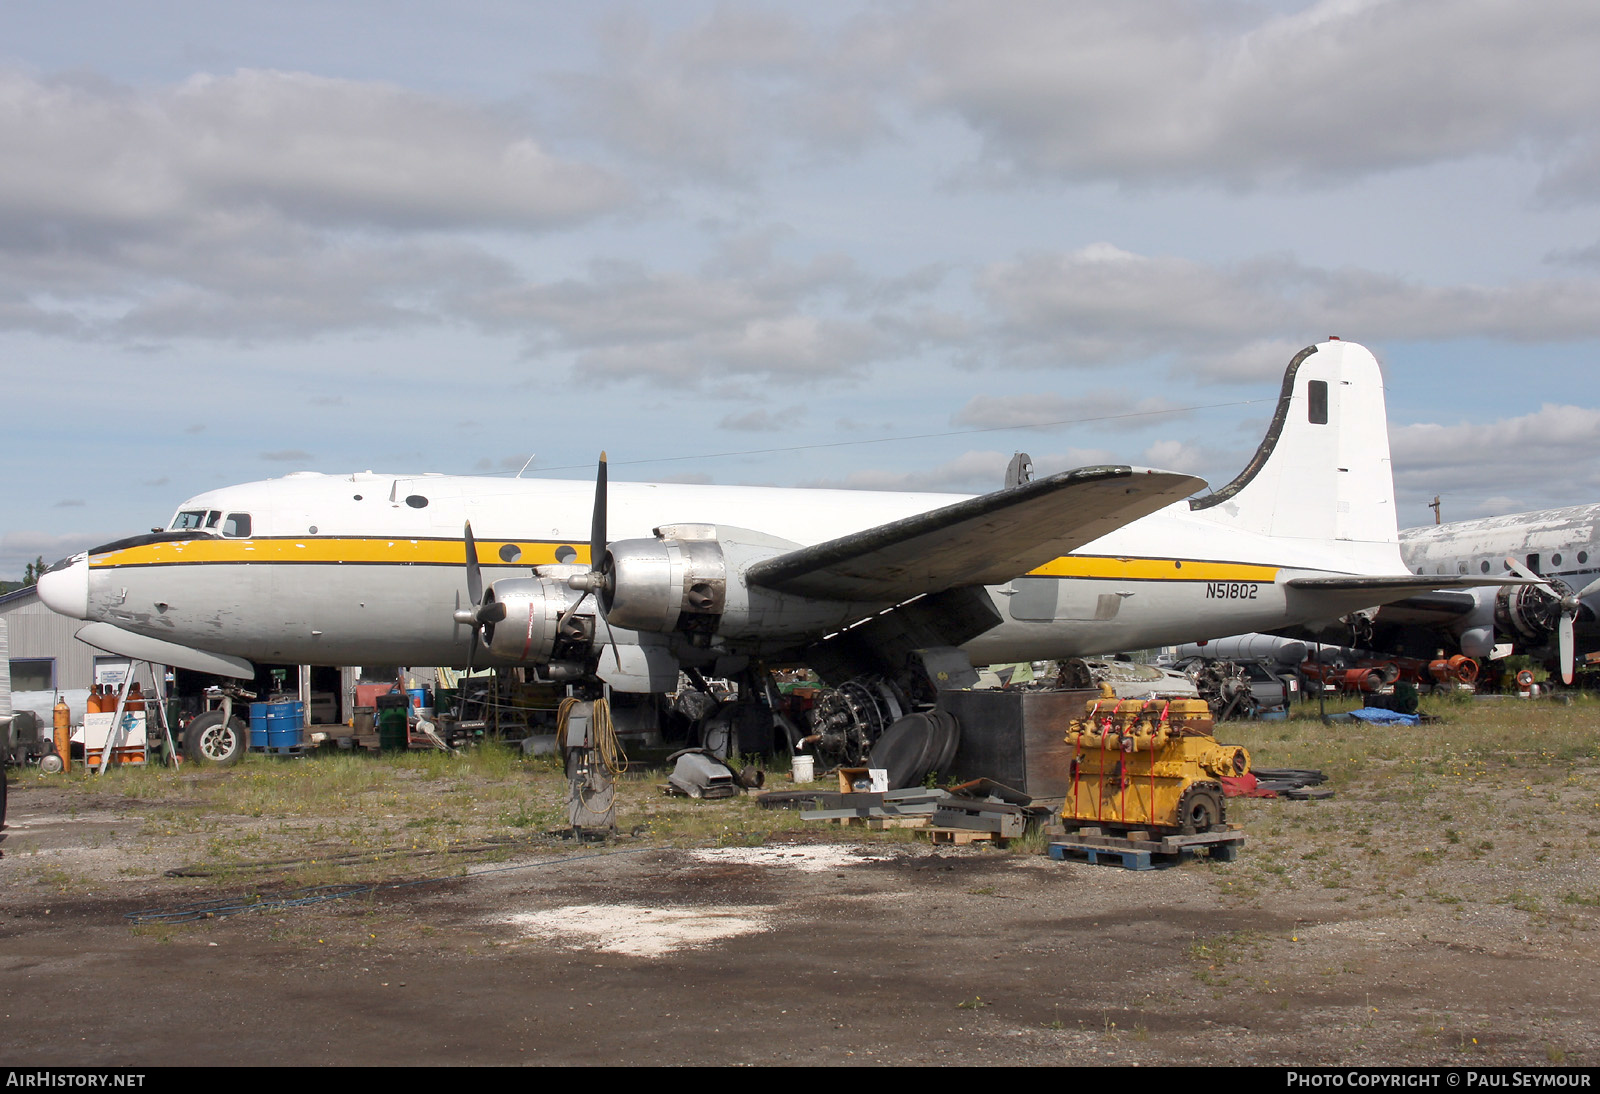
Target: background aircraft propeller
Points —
{"points": [[1570, 603]]}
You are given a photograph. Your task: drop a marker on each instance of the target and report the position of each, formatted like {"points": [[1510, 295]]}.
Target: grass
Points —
{"points": [[1486, 806], [1443, 813]]}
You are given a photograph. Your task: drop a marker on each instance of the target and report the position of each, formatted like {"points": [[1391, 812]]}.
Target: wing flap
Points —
{"points": [[985, 540]]}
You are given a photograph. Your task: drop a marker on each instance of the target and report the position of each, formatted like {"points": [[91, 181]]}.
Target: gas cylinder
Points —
{"points": [[63, 734]]}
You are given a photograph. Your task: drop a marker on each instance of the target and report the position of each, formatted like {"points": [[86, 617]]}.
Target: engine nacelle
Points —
{"points": [[530, 630], [675, 582], [689, 580]]}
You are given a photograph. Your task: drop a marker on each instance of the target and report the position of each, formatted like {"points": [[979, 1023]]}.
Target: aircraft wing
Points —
{"points": [[986, 540]]}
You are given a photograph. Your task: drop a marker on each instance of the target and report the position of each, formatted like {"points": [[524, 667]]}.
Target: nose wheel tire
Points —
{"points": [[211, 740]]}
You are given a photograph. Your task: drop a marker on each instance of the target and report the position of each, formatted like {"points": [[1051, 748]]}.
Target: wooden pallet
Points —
{"points": [[1137, 851], [960, 837]]}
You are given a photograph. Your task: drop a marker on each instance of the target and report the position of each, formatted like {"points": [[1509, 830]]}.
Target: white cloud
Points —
{"points": [[750, 317], [1169, 90], [1044, 410], [1101, 303], [314, 149], [1550, 457], [263, 204], [719, 97]]}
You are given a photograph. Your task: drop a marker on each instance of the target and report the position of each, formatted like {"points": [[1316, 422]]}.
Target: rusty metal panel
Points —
{"points": [[1015, 737]]}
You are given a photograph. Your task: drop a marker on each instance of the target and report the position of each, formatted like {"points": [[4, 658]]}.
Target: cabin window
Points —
{"points": [[510, 552], [417, 501], [1583, 557], [565, 554], [1461, 567], [1317, 402], [1484, 566], [1555, 560], [237, 526]]}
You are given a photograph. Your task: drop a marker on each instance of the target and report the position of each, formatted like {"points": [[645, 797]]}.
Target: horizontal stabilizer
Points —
{"points": [[987, 540], [104, 636]]}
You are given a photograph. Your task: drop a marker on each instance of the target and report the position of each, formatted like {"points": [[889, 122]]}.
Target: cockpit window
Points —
{"points": [[212, 518], [191, 519], [237, 526]]}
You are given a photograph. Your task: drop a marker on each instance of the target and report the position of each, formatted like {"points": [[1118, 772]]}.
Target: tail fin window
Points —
{"points": [[1317, 401]]}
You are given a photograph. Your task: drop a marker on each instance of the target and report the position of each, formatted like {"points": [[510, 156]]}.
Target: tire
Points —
{"points": [[1200, 807], [209, 741]]}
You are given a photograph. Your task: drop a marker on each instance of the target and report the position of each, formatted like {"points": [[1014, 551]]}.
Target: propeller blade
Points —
{"points": [[597, 528], [474, 574], [1592, 587], [561, 623], [1522, 571], [1564, 633]]}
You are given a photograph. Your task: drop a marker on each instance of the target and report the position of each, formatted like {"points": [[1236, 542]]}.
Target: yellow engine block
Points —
{"points": [[1149, 764]]}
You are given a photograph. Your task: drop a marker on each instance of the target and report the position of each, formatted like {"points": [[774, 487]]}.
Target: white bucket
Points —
{"points": [[804, 769]]}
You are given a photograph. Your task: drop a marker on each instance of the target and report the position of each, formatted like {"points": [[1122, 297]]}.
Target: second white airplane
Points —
{"points": [[633, 583]]}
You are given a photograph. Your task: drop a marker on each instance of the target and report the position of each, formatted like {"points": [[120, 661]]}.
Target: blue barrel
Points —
{"points": [[419, 698], [285, 724], [260, 723]]}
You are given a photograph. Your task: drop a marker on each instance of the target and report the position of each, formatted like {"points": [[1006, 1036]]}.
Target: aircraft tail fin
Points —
{"points": [[1323, 472]]}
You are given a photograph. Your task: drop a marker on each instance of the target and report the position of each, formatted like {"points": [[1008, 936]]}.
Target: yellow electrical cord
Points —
{"points": [[604, 731]]}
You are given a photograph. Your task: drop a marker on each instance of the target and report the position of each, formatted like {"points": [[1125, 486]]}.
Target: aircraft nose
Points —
{"points": [[64, 587]]}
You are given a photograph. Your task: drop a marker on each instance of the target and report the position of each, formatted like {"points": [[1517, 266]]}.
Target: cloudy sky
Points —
{"points": [[876, 245]]}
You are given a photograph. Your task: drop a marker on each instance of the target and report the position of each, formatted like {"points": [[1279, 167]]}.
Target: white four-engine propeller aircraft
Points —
{"points": [[370, 568], [1555, 614]]}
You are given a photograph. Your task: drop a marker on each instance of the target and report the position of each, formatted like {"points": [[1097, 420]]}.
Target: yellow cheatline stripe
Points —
{"points": [[446, 552], [368, 549], [1154, 569]]}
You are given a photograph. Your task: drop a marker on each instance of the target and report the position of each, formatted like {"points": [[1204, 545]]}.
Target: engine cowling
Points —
{"points": [[531, 630], [675, 582], [690, 580]]}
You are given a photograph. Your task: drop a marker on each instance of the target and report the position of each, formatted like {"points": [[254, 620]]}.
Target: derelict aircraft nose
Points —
{"points": [[64, 587]]}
